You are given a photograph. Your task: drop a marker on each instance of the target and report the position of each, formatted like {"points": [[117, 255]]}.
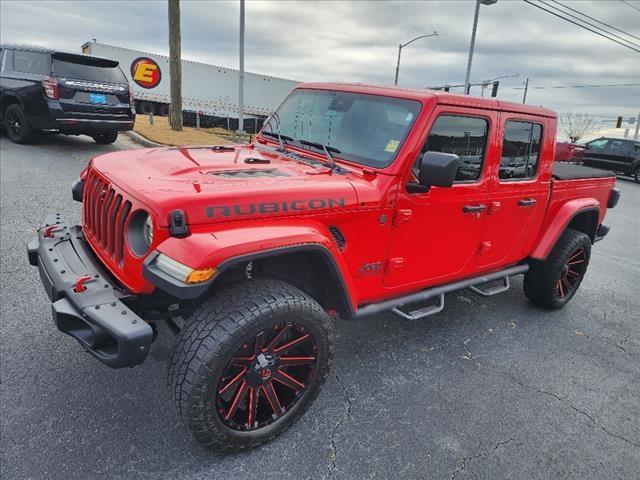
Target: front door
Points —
{"points": [[436, 234], [519, 191]]}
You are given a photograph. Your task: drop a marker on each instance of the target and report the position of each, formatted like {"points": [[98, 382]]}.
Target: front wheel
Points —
{"points": [[553, 282], [249, 363], [105, 138]]}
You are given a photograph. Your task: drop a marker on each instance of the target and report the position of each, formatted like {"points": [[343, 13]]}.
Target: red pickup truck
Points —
{"points": [[353, 200]]}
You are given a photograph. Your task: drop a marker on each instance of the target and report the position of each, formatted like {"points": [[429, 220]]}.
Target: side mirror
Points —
{"points": [[437, 169]]}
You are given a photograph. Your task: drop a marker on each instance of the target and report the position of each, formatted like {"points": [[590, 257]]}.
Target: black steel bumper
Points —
{"points": [[103, 325]]}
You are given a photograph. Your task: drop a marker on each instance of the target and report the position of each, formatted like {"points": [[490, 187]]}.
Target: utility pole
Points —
{"points": [[467, 85], [241, 76], [526, 87], [175, 66], [635, 135]]}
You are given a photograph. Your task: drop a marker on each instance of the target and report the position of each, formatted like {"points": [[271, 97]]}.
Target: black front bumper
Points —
{"points": [[95, 317]]}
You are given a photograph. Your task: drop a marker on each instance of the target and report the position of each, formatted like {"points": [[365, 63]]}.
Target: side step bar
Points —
{"points": [[475, 282]]}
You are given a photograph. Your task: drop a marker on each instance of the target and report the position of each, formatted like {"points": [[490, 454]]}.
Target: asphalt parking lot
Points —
{"points": [[489, 389]]}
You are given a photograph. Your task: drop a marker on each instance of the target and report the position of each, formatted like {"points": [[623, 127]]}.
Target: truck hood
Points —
{"points": [[217, 184]]}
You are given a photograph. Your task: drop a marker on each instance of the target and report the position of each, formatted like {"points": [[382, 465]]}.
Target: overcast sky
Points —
{"points": [[358, 42]]}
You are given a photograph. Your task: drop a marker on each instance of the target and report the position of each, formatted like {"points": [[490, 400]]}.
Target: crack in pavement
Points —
{"points": [[464, 460], [600, 338], [333, 455], [564, 402]]}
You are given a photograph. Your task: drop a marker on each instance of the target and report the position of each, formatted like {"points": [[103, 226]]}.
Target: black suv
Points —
{"points": [[75, 94], [617, 154]]}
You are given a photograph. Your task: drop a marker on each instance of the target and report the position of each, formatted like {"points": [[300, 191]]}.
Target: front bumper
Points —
{"points": [[95, 317]]}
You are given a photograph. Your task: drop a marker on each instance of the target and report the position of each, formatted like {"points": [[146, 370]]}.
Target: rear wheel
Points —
{"points": [[17, 126], [553, 282], [636, 176], [249, 363], [105, 138]]}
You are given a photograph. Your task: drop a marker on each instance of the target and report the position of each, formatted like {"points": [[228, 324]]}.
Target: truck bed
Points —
{"points": [[568, 171]]}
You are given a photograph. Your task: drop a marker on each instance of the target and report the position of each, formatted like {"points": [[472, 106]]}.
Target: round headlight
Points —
{"points": [[140, 233]]}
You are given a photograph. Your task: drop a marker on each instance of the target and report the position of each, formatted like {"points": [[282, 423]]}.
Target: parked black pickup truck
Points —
{"points": [[43, 89], [617, 154]]}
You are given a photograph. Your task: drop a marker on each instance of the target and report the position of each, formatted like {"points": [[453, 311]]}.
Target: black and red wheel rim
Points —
{"points": [[571, 273], [266, 376]]}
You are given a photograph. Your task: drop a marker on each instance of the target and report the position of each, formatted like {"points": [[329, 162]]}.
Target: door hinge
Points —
{"points": [[394, 264], [483, 248], [402, 216]]}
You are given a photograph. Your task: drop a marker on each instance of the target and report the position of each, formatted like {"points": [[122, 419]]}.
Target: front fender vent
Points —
{"points": [[338, 237], [254, 173]]}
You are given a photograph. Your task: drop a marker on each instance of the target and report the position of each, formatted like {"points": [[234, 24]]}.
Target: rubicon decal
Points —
{"points": [[146, 72], [274, 207]]}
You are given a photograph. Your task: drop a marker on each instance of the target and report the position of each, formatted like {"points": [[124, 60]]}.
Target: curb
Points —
{"points": [[140, 140]]}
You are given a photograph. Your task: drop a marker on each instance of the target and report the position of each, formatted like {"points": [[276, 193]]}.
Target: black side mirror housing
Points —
{"points": [[437, 169]]}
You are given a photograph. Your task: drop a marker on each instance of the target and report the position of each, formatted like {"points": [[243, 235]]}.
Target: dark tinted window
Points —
{"points": [[520, 150], [599, 144], [86, 71], [620, 145], [31, 62], [463, 136], [366, 129]]}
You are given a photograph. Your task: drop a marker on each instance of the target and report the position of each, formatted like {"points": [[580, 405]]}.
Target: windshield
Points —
{"points": [[86, 71], [365, 129]]}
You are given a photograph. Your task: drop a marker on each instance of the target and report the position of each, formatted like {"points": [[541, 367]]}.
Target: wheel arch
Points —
{"points": [[582, 216], [312, 268], [6, 101]]}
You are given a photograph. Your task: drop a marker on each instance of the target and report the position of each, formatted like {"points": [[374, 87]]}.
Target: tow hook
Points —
{"points": [[80, 287], [48, 232]]}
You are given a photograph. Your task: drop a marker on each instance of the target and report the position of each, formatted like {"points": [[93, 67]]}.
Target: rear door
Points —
{"points": [[519, 190]]}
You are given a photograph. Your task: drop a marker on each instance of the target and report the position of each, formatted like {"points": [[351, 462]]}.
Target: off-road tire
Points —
{"points": [[540, 282], [23, 133], [211, 336], [636, 175], [105, 138]]}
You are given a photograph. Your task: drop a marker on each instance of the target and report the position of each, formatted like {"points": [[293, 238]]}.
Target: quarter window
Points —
{"points": [[520, 150], [31, 62], [462, 136]]}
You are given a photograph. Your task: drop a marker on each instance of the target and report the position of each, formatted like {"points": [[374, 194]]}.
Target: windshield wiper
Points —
{"points": [[281, 138], [327, 151]]}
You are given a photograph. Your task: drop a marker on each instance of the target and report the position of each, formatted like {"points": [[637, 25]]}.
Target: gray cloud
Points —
{"points": [[357, 42]]}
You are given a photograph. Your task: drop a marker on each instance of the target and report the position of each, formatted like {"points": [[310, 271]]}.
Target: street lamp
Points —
{"points": [[467, 86], [402, 45]]}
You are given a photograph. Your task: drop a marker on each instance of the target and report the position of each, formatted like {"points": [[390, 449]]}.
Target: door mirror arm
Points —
{"points": [[415, 187]]}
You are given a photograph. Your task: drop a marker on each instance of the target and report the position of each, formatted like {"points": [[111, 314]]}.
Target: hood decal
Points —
{"points": [[270, 208]]}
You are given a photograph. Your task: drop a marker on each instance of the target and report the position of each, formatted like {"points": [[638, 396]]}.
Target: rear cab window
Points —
{"points": [[521, 145], [31, 62], [78, 67], [463, 136]]}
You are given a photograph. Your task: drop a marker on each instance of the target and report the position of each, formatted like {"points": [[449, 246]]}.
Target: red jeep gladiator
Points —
{"points": [[353, 200]]}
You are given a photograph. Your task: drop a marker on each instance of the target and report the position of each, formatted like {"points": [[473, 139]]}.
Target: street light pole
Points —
{"points": [[467, 85], [241, 75], [401, 46]]}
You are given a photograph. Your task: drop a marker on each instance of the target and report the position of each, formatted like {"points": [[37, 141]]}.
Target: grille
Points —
{"points": [[338, 237], [105, 215]]}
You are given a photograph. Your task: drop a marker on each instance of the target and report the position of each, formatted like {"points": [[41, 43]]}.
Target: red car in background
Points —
{"points": [[569, 152]]}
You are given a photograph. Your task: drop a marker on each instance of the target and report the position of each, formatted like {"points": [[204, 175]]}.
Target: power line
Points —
{"points": [[580, 25], [596, 20], [543, 87], [630, 5]]}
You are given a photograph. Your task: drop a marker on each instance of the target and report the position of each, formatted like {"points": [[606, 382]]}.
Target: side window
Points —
{"points": [[462, 136], [620, 145], [31, 62], [599, 144], [520, 150]]}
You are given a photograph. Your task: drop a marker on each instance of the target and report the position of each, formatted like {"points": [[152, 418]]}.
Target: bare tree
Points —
{"points": [[175, 66], [578, 125]]}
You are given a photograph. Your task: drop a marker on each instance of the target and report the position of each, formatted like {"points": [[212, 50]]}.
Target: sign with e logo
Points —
{"points": [[146, 72]]}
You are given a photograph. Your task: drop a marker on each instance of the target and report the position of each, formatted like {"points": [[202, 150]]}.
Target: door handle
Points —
{"points": [[474, 208], [526, 202]]}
